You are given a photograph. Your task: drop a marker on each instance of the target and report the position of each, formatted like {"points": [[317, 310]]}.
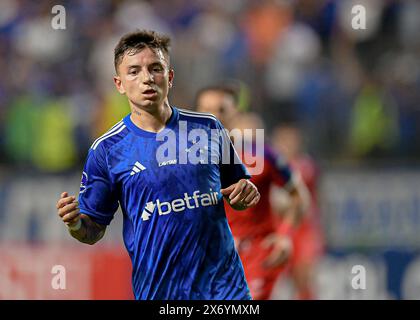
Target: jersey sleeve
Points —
{"points": [[97, 199], [279, 170], [231, 167]]}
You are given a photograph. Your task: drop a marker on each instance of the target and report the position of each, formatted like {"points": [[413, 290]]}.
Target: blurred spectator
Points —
{"points": [[41, 134], [300, 60], [374, 122]]}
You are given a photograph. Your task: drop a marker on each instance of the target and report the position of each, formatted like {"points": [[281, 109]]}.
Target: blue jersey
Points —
{"points": [[174, 223]]}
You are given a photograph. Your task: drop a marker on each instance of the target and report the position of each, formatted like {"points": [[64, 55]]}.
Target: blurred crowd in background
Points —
{"points": [[354, 93]]}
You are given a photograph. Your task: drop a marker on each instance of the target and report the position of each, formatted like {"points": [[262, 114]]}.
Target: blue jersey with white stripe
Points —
{"points": [[168, 186]]}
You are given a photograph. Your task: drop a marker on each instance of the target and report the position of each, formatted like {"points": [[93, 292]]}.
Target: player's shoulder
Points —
{"points": [[274, 157], [198, 117], [112, 136]]}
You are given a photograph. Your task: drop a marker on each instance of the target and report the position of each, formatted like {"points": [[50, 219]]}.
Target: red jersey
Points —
{"points": [[309, 174], [259, 221], [308, 241]]}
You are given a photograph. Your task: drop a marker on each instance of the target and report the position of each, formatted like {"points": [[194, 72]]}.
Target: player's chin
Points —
{"points": [[148, 104]]}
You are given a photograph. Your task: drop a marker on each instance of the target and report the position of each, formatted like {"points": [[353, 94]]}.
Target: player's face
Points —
{"points": [[248, 124], [145, 78], [220, 104], [288, 141]]}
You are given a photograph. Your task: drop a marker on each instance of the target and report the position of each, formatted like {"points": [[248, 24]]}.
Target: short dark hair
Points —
{"points": [[229, 89], [136, 41]]}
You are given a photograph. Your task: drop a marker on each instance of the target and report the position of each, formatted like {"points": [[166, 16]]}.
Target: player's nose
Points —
{"points": [[146, 77]]}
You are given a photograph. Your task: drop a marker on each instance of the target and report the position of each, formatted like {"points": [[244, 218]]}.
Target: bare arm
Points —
{"points": [[297, 204], [90, 232], [292, 208], [86, 231]]}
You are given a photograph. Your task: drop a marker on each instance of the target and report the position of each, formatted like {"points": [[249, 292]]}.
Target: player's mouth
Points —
{"points": [[149, 93]]}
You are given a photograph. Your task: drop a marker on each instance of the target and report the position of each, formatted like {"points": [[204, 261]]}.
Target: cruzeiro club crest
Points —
{"points": [[83, 183]]}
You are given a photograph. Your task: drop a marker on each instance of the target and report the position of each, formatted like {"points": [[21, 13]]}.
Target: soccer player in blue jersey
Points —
{"points": [[175, 227]]}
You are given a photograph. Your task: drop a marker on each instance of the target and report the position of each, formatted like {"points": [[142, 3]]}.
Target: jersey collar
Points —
{"points": [[170, 125]]}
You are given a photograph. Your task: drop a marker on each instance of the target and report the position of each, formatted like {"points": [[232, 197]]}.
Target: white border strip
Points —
{"points": [[197, 114], [96, 144], [114, 128]]}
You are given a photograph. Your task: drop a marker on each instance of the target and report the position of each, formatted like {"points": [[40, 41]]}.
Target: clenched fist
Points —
{"points": [[241, 195], [68, 209]]}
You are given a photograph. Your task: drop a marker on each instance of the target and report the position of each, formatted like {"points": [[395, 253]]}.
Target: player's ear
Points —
{"points": [[171, 77], [118, 84]]}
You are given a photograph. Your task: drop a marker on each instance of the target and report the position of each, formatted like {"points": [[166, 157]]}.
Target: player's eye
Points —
{"points": [[133, 72], [157, 69]]}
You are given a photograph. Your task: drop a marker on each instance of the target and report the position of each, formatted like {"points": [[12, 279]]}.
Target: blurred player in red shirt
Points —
{"points": [[307, 238], [263, 245]]}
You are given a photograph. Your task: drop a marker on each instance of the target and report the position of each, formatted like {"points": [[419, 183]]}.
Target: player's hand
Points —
{"points": [[68, 209], [282, 248], [241, 195]]}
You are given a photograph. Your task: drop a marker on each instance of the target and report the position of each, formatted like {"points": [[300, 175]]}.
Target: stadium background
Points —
{"points": [[355, 94]]}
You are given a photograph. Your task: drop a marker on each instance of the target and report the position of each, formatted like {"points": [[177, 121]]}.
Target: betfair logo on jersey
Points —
{"points": [[147, 212], [196, 200]]}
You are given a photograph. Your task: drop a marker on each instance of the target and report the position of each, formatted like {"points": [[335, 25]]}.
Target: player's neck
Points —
{"points": [[151, 120]]}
